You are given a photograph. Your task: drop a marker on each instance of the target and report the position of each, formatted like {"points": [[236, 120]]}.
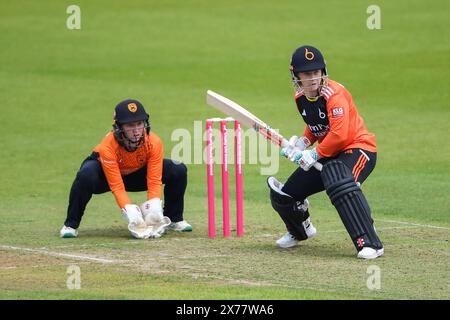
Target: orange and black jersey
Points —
{"points": [[116, 162], [333, 121]]}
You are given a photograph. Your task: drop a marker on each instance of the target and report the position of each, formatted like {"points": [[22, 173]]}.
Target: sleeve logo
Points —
{"points": [[337, 112]]}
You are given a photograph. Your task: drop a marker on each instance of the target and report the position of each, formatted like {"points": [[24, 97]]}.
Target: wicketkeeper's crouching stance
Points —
{"points": [[130, 158], [345, 148]]}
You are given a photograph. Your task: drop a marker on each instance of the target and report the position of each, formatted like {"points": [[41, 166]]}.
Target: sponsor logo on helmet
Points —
{"points": [[309, 55], [132, 107]]}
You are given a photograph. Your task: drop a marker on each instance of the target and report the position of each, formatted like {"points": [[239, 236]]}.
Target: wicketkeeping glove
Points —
{"points": [[152, 211], [136, 224]]}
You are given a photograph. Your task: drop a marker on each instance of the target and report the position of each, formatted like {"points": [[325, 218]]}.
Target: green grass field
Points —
{"points": [[58, 88]]}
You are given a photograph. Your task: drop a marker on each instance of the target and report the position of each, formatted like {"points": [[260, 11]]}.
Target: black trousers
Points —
{"points": [[90, 180], [301, 184]]}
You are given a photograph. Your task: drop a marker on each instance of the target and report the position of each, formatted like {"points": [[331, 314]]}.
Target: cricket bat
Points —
{"points": [[247, 119]]}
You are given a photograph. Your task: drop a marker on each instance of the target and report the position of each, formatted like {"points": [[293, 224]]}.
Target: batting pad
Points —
{"points": [[291, 214], [351, 204]]}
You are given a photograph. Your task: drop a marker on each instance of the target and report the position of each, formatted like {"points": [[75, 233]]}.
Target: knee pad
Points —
{"points": [[351, 204]]}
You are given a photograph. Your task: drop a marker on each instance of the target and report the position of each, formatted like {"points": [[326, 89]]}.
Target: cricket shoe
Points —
{"points": [[68, 232], [311, 231], [289, 241], [180, 226], [370, 253]]}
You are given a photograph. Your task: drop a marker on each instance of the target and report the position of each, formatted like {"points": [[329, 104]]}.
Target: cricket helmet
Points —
{"points": [[304, 59], [125, 112]]}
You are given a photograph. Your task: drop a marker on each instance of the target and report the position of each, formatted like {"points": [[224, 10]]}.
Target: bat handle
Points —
{"points": [[318, 166]]}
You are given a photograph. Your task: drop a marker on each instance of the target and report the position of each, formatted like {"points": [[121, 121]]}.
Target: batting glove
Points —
{"points": [[302, 143], [305, 159], [295, 143]]}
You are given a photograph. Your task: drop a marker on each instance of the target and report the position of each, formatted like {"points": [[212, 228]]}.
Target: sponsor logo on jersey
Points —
{"points": [[319, 130], [106, 161], [141, 158], [337, 112]]}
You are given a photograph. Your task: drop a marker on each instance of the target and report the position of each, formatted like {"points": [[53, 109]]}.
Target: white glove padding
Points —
{"points": [[305, 159], [152, 211], [160, 227], [136, 223], [295, 143], [151, 231], [143, 231], [302, 143], [132, 214]]}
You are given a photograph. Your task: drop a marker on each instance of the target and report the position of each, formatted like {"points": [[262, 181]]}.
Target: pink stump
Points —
{"points": [[239, 191], [225, 192], [210, 178]]}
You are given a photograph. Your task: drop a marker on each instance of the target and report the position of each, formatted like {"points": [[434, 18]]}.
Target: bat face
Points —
{"points": [[231, 109], [243, 116]]}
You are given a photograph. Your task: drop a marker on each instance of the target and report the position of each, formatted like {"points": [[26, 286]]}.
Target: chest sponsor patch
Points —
{"points": [[337, 112]]}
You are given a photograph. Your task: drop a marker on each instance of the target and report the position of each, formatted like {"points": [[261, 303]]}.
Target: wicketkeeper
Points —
{"points": [[345, 148], [130, 158]]}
